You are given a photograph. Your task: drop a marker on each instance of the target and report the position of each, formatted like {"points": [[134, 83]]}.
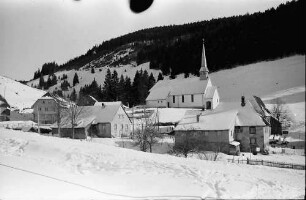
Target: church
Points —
{"points": [[196, 92]]}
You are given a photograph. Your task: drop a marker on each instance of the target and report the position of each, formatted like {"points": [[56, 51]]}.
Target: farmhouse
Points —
{"points": [[197, 92], [45, 110], [105, 120], [231, 124]]}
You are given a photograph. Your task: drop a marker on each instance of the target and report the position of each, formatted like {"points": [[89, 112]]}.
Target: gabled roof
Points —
{"points": [[226, 115], [186, 86], [218, 121], [210, 92], [91, 115]]}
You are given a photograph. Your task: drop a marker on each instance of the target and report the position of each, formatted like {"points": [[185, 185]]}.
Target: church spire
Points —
{"points": [[204, 70]]}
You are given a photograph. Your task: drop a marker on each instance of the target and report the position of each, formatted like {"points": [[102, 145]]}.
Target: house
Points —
{"points": [[197, 92], [105, 120], [45, 110], [230, 124]]}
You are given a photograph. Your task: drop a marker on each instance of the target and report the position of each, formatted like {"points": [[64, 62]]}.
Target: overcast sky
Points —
{"points": [[33, 32]]}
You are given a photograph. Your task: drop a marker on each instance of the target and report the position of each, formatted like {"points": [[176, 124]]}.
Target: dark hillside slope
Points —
{"points": [[229, 41]]}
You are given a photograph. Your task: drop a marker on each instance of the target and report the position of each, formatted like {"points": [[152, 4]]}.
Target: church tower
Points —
{"points": [[204, 70]]}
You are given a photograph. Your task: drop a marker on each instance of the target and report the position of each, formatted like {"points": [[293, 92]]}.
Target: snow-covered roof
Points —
{"points": [[108, 103], [210, 92], [225, 116], [177, 87], [218, 121], [92, 115], [235, 143]]}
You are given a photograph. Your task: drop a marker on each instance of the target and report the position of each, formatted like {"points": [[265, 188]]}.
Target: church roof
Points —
{"points": [[163, 88], [210, 92]]}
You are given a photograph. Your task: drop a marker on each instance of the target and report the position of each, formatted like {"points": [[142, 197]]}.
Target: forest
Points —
{"points": [[229, 41]]}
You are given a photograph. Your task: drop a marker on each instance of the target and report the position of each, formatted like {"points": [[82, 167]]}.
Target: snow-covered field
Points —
{"points": [[40, 167], [18, 95]]}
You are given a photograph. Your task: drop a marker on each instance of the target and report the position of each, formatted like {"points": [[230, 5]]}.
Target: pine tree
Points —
{"points": [[54, 80], [75, 79], [107, 86], [41, 83], [121, 90], [114, 86], [73, 96], [135, 91], [49, 82], [160, 77], [151, 81], [128, 91]]}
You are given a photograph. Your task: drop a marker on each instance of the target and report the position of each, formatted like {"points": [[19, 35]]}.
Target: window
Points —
{"points": [[39, 108], [219, 133], [173, 99], [115, 127], [183, 99], [192, 99], [238, 129], [43, 101], [121, 126], [206, 133], [252, 130]]}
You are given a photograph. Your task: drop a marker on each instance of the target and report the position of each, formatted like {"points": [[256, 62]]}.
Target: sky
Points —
{"points": [[34, 32]]}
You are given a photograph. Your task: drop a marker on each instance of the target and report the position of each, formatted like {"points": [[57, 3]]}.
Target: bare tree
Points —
{"points": [[148, 135], [282, 113], [73, 113]]}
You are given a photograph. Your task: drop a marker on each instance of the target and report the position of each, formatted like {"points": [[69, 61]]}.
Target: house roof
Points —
{"points": [[108, 103], [186, 86], [225, 116], [215, 121], [91, 115]]}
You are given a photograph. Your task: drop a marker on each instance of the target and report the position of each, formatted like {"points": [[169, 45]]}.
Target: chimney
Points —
{"points": [[242, 101], [103, 105]]}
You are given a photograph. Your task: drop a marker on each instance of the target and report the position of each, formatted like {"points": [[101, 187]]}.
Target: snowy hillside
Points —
{"points": [[18, 95], [86, 77], [40, 167]]}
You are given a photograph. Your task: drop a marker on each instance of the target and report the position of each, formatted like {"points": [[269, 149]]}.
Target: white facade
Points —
{"points": [[121, 124]]}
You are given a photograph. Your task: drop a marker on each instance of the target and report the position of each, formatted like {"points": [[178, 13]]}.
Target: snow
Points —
{"points": [[18, 95], [260, 79], [58, 168]]}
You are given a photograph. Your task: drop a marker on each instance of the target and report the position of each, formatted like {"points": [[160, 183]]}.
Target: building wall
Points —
{"points": [[261, 137], [206, 140], [120, 125], [79, 133], [197, 101], [215, 100], [16, 116], [47, 109], [157, 103]]}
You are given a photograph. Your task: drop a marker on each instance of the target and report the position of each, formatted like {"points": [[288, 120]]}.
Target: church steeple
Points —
{"points": [[203, 70]]}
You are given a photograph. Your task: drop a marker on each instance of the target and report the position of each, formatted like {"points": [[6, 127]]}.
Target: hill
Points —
{"points": [[18, 95], [230, 41]]}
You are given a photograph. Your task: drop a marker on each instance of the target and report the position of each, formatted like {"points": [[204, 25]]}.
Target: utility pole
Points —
{"points": [[38, 119]]}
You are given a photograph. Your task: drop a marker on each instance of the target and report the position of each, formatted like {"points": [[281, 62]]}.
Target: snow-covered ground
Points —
{"points": [[40, 167], [18, 95]]}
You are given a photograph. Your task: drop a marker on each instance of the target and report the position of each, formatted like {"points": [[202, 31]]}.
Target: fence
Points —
{"points": [[268, 163]]}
